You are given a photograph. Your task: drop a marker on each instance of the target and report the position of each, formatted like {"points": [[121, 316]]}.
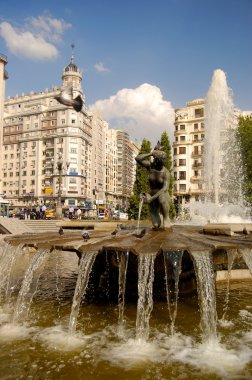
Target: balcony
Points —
{"points": [[195, 179], [196, 191], [196, 154], [197, 166]]}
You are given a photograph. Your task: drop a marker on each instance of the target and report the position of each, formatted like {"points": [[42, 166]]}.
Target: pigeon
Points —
{"points": [[140, 234], [245, 231], [61, 231], [117, 230], [85, 235], [66, 98]]}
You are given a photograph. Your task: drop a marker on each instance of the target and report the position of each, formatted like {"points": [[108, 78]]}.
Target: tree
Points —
{"points": [[165, 143], [141, 185], [244, 132]]}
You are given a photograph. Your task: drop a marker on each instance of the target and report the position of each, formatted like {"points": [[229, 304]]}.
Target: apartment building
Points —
{"points": [[126, 167], [111, 168], [188, 151], [41, 136], [49, 149]]}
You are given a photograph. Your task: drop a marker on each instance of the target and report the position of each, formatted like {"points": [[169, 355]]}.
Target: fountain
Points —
{"points": [[129, 305], [223, 173]]}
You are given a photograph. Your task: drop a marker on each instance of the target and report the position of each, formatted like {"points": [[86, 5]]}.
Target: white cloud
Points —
{"points": [[100, 67], [37, 39], [48, 27], [142, 112]]}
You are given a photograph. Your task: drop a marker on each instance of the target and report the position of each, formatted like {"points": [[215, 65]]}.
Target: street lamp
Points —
{"points": [[60, 167]]}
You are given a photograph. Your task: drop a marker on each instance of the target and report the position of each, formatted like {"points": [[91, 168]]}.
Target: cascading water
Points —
{"points": [[8, 257], [247, 256], [206, 293], [24, 299], [139, 214], [172, 263], [222, 174], [231, 253], [145, 295], [85, 266], [123, 265]]}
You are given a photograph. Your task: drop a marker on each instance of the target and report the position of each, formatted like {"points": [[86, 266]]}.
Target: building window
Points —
{"points": [[182, 150], [73, 121], [182, 138], [175, 151], [24, 172], [182, 187], [73, 150], [182, 127], [63, 121], [182, 162], [199, 112], [72, 180], [182, 175], [196, 138], [175, 175], [33, 172], [196, 126]]}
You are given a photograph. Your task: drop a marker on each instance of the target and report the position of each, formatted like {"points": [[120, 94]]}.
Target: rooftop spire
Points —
{"points": [[72, 54]]}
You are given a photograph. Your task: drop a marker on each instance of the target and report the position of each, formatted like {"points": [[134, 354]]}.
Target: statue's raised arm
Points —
{"points": [[142, 159]]}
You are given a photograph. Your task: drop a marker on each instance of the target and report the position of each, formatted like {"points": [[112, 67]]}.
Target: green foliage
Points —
{"points": [[244, 132], [165, 143], [141, 185]]}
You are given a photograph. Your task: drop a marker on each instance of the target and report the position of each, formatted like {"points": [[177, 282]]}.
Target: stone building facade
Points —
{"points": [[188, 150], [40, 135]]}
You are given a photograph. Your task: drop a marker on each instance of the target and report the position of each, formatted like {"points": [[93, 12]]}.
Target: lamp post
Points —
{"points": [[60, 168]]}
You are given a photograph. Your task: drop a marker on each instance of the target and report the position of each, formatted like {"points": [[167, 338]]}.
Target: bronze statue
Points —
{"points": [[159, 178]]}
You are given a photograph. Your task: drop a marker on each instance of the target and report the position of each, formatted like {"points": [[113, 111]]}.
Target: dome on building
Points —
{"points": [[71, 72], [71, 67]]}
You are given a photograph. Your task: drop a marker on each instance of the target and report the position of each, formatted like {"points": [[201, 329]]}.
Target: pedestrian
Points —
{"points": [[38, 212], [71, 212], [43, 209], [78, 213]]}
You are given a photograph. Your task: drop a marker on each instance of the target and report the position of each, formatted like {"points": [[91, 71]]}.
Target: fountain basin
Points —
{"points": [[215, 239]]}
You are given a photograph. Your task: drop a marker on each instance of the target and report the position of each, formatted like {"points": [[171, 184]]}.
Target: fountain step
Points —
{"points": [[13, 226], [41, 225]]}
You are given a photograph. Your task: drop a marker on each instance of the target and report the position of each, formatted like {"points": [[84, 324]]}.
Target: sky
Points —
{"points": [[141, 59]]}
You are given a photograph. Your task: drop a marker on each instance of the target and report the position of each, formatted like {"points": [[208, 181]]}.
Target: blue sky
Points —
{"points": [[140, 58]]}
